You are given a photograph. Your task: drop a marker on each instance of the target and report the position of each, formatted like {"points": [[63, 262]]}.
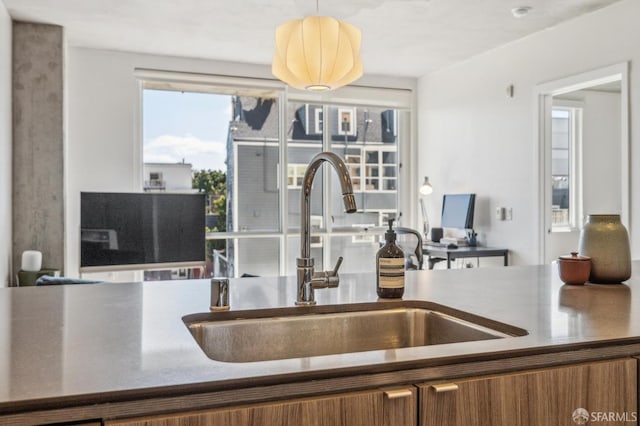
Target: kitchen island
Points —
{"points": [[105, 352]]}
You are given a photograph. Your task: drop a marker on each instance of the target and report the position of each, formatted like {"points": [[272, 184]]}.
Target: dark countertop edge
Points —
{"points": [[307, 384]]}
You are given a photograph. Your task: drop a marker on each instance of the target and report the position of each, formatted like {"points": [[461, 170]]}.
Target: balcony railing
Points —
{"points": [[155, 185]]}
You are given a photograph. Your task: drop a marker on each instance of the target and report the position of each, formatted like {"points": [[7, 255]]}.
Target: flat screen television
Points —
{"points": [[121, 231], [457, 210]]}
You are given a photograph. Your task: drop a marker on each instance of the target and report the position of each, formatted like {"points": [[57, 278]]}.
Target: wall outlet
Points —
{"points": [[500, 213]]}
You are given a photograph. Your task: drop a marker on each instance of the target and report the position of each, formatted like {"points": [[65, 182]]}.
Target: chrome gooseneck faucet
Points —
{"points": [[307, 279]]}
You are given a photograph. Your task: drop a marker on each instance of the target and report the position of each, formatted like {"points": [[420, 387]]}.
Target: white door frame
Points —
{"points": [[543, 94]]}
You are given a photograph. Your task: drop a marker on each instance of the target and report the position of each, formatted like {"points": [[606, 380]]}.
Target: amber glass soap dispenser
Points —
{"points": [[390, 267]]}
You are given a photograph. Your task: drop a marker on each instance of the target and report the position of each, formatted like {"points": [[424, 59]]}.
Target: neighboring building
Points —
{"points": [[366, 139], [173, 177]]}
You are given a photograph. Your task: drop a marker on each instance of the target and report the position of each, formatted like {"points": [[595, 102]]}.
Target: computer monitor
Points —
{"points": [[457, 210]]}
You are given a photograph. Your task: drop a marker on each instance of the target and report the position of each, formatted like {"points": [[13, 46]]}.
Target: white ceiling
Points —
{"points": [[400, 37]]}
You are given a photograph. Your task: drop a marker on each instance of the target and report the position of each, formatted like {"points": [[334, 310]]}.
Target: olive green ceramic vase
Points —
{"points": [[606, 241]]}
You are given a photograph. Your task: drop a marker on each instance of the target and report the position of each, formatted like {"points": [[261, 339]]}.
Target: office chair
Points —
{"points": [[410, 241]]}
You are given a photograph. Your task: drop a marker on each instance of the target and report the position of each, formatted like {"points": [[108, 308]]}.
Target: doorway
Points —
{"points": [[583, 165]]}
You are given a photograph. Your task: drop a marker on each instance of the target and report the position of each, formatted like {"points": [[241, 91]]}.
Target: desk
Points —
{"points": [[441, 251]]}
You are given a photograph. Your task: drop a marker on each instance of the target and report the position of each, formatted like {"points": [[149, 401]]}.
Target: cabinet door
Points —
{"points": [[375, 408], [541, 397], [400, 406]]}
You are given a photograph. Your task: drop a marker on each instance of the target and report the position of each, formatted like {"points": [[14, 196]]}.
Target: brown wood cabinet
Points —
{"points": [[541, 397], [395, 407], [544, 396]]}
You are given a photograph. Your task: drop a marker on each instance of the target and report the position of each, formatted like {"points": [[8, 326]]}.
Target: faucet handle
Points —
{"points": [[335, 269], [332, 276]]}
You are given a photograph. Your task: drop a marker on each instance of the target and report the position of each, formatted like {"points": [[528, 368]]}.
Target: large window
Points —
{"points": [[184, 150], [359, 136], [565, 176], [269, 138]]}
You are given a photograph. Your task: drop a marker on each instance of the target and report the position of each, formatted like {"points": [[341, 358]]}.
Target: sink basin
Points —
{"points": [[336, 329]]}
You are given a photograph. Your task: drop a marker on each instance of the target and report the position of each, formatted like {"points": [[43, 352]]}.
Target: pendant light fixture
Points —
{"points": [[317, 53]]}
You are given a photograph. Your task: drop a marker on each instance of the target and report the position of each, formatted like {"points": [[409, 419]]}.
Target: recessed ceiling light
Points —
{"points": [[519, 12]]}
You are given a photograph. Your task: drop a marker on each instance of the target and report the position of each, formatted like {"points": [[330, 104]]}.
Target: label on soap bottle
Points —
{"points": [[391, 272]]}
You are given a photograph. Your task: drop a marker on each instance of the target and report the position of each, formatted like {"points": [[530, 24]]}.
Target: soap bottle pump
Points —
{"points": [[390, 267]]}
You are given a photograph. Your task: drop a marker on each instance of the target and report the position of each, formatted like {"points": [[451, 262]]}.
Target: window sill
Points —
{"points": [[564, 229]]}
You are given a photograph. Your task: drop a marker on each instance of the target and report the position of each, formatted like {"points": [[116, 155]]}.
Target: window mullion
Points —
{"points": [[326, 188], [283, 179], [576, 172], [572, 164]]}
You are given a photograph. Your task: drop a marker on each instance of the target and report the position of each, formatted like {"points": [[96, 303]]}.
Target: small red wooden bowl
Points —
{"points": [[574, 269]]}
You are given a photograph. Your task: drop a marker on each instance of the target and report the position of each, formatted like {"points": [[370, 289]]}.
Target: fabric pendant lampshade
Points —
{"points": [[317, 53]]}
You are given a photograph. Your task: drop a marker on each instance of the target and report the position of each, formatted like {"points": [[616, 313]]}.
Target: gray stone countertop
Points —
{"points": [[121, 340]]}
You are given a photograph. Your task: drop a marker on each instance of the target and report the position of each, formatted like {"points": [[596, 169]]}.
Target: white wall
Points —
{"points": [[103, 135], [602, 192], [5, 146], [474, 138]]}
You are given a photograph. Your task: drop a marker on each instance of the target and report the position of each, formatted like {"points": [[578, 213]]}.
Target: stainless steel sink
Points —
{"points": [[295, 333]]}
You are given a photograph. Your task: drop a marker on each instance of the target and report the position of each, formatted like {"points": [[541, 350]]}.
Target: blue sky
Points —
{"points": [[186, 125]]}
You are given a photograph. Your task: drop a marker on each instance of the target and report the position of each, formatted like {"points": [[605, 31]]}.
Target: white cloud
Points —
{"points": [[228, 111], [174, 149]]}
